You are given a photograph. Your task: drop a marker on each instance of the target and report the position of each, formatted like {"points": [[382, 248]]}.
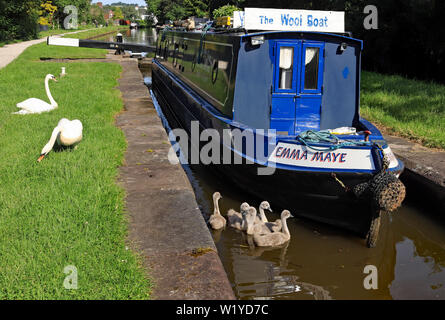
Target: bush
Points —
{"points": [[18, 20], [142, 23], [224, 11]]}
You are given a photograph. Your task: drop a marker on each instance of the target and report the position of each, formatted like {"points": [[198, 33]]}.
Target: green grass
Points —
{"points": [[95, 32], [410, 108], [82, 35], [52, 32], [68, 209]]}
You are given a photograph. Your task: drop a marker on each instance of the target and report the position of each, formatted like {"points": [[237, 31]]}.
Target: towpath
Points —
{"points": [[11, 51], [424, 174]]}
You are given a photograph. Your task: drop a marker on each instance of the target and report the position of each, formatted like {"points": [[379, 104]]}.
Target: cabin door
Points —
{"points": [[298, 79]]}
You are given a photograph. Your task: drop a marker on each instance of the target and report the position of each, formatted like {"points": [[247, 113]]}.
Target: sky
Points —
{"points": [[139, 2]]}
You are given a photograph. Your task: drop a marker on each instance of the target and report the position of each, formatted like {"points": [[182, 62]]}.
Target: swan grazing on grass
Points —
{"points": [[34, 105], [275, 238], [67, 133], [236, 219], [216, 220]]}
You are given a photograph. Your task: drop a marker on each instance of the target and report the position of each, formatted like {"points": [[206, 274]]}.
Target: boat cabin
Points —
{"points": [[283, 80]]}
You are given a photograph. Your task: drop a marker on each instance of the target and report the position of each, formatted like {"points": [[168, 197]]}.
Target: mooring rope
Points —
{"points": [[308, 136]]}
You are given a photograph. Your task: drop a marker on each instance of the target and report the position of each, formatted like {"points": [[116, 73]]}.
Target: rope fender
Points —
{"points": [[384, 189]]}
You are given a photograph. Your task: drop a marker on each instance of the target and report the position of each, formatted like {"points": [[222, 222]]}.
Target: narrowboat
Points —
{"points": [[293, 83], [298, 92]]}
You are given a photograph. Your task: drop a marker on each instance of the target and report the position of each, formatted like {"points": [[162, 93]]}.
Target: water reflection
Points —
{"points": [[138, 36], [321, 262]]}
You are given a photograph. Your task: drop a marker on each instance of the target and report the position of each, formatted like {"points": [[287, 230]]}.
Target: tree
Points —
{"points": [[224, 11], [153, 11], [83, 10], [18, 19], [46, 13], [117, 13], [196, 8], [97, 13], [130, 13]]}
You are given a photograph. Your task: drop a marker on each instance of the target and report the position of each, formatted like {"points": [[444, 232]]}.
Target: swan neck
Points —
{"points": [[284, 227], [263, 215], [48, 93], [48, 147], [216, 205]]}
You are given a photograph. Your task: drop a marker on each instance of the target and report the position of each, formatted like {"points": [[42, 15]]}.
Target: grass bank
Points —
{"points": [[96, 32], [66, 210], [90, 33], [409, 108]]}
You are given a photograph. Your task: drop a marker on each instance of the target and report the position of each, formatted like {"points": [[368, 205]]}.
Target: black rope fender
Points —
{"points": [[384, 189]]}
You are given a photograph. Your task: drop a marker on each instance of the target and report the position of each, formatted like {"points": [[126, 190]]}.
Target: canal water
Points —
{"points": [[320, 261]]}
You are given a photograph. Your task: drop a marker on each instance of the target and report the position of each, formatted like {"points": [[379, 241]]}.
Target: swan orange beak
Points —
{"points": [[41, 158]]}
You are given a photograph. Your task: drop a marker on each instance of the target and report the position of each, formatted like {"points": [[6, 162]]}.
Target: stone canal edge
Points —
{"points": [[165, 223]]}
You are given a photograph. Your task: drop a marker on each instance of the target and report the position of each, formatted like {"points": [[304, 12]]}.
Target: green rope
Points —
{"points": [[310, 136]]}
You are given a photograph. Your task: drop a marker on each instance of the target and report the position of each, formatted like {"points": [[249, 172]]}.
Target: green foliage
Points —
{"points": [[129, 12], [142, 23], [196, 8], [117, 13], [153, 10], [18, 19], [97, 13], [83, 7], [46, 12], [177, 9], [224, 11]]}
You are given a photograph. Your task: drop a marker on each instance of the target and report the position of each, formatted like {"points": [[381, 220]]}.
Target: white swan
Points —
{"points": [[236, 219], [67, 133], [34, 105], [216, 220], [274, 238]]}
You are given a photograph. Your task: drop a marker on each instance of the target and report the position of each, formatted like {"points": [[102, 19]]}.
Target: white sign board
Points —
{"points": [[297, 155], [294, 20], [238, 19]]}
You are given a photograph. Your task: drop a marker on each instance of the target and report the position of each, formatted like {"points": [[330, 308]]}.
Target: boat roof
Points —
{"points": [[242, 33], [334, 35]]}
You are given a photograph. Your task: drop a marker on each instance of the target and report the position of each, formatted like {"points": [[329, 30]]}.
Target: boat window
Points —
{"points": [[286, 67], [311, 68]]}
